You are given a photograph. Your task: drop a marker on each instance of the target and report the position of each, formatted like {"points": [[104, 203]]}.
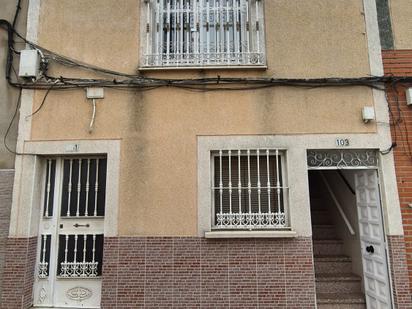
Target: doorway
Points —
{"points": [[348, 239], [71, 233]]}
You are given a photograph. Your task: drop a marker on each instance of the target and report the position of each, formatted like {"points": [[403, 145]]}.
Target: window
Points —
{"points": [[248, 189], [203, 33]]}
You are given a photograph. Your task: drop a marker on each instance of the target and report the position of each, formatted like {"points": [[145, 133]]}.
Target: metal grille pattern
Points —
{"points": [[348, 158], [204, 33], [80, 255], [83, 187], [248, 189], [44, 262], [49, 188]]}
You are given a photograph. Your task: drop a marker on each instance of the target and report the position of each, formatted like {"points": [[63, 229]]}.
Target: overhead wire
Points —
{"points": [[120, 80]]}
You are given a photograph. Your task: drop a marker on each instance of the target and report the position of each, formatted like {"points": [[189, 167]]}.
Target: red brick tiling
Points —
{"points": [[399, 63], [271, 273], [243, 286], [6, 189], [18, 274], [199, 273], [187, 274], [110, 272], [399, 272], [299, 273], [214, 274]]}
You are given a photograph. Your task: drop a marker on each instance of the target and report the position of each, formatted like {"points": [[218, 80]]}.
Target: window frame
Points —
{"points": [[294, 199], [145, 38], [284, 193]]}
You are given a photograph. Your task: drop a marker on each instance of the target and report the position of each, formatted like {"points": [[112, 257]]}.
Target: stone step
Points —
{"points": [[324, 231], [341, 301], [327, 247], [320, 217], [332, 264], [337, 283]]}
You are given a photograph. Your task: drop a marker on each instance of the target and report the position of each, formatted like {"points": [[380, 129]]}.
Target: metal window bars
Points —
{"points": [[248, 189], [203, 33]]}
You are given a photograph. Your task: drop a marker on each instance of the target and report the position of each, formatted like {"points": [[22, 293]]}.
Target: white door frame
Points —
{"points": [[344, 165], [70, 241], [27, 192]]}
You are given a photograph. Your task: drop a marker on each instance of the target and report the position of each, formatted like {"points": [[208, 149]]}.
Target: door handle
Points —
{"points": [[370, 249], [81, 225]]}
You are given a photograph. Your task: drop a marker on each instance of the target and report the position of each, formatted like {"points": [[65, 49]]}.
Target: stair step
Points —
{"points": [[337, 283], [327, 247], [324, 231], [335, 264], [320, 217], [341, 300]]}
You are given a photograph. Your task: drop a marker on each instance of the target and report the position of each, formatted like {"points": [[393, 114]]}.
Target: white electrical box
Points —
{"points": [[409, 96], [29, 63], [368, 113], [94, 93]]}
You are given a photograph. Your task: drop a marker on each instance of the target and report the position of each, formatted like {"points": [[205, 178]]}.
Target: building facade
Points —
{"points": [[9, 100], [397, 59], [204, 153]]}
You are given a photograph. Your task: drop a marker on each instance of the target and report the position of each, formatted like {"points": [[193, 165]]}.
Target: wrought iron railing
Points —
{"points": [[249, 190], [203, 33]]}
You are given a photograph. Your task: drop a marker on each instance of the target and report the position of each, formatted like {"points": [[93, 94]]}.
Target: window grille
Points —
{"points": [[248, 189], [203, 33]]}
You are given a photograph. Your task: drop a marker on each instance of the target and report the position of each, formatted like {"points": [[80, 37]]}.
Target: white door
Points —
{"points": [[70, 247], [375, 266]]}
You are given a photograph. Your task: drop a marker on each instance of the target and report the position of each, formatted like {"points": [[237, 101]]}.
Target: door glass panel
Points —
{"points": [[44, 262], [49, 188], [80, 256], [84, 187]]}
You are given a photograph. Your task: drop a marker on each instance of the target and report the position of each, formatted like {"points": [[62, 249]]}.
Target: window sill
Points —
{"points": [[216, 67], [250, 234]]}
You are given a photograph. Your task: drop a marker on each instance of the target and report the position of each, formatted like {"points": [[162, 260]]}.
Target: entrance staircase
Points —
{"points": [[336, 285]]}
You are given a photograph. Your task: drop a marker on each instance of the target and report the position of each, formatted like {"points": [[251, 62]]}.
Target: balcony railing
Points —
{"points": [[203, 33]]}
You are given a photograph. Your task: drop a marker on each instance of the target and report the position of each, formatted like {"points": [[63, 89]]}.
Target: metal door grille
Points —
{"points": [[80, 256], [84, 182]]}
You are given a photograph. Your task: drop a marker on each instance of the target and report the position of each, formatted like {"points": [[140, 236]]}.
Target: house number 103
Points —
{"points": [[342, 142]]}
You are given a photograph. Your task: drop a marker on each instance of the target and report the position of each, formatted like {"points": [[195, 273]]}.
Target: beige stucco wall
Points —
{"points": [[401, 15], [8, 94], [158, 129]]}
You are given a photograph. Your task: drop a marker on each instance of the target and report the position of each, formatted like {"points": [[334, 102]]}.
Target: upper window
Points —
{"points": [[248, 189], [203, 33]]}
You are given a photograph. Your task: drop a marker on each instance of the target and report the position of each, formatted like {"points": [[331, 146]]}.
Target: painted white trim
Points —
{"points": [[389, 194], [24, 127], [372, 34], [33, 14], [26, 219]]}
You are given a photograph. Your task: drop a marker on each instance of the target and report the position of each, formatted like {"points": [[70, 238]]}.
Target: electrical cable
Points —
{"points": [[42, 103], [10, 125]]}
